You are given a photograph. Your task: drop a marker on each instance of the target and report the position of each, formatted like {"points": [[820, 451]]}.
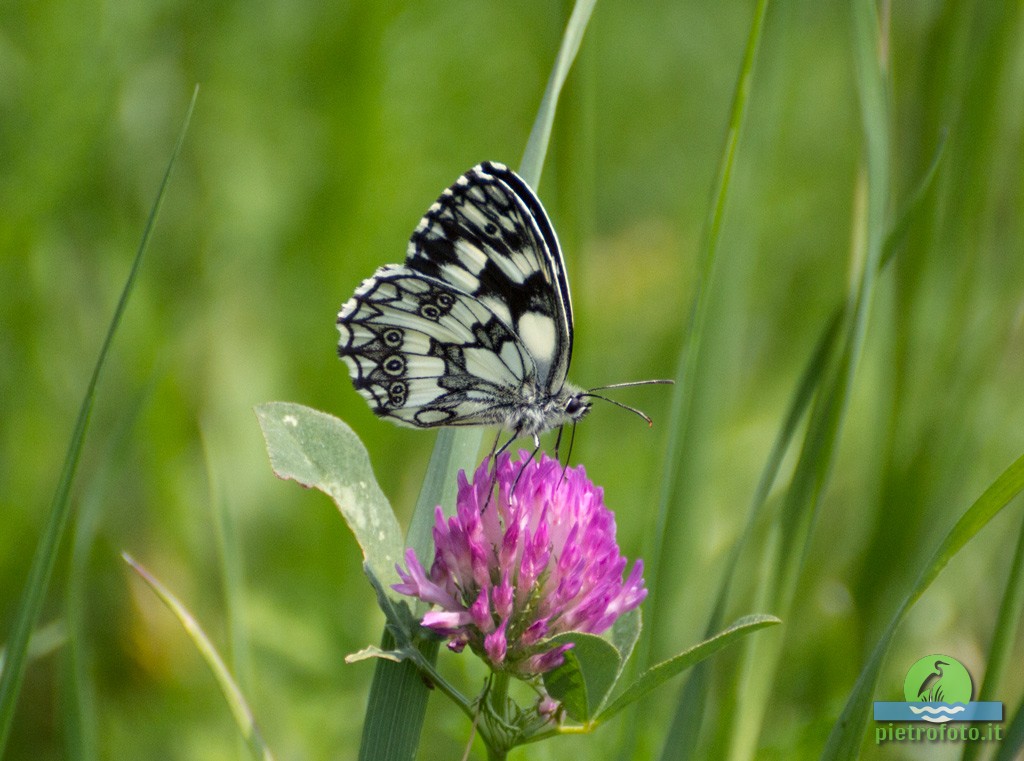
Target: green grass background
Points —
{"points": [[322, 133]]}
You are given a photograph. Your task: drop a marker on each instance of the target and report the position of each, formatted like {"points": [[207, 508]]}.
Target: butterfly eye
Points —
{"points": [[394, 365], [576, 406], [393, 337]]}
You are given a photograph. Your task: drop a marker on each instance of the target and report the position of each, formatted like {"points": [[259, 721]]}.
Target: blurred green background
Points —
{"points": [[322, 133]]}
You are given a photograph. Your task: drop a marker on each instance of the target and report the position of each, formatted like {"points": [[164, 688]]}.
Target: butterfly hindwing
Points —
{"points": [[426, 355]]}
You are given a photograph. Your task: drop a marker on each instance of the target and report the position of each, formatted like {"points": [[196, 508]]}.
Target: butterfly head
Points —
{"points": [[542, 412], [576, 406]]}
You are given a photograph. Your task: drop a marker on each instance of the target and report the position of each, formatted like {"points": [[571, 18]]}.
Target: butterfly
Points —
{"points": [[476, 327]]}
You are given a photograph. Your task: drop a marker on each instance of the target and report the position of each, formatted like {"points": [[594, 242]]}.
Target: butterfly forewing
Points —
{"points": [[489, 236]]}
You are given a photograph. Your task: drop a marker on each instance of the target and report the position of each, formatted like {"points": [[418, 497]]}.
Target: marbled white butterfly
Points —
{"points": [[476, 327]]}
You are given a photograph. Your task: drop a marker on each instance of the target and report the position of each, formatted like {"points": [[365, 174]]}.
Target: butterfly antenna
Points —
{"points": [[634, 410], [627, 384]]}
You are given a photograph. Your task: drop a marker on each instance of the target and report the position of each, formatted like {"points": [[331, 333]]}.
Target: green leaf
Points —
{"points": [[569, 687], [625, 632], [322, 452], [60, 508], [662, 672], [236, 700], [848, 731], [586, 677]]}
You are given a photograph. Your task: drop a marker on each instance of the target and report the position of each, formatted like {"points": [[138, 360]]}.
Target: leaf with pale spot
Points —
{"points": [[320, 451]]}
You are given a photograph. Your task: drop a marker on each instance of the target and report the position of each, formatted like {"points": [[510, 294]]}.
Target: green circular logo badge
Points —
{"points": [[938, 679]]}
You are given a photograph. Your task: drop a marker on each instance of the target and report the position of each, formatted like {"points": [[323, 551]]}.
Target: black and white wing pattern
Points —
{"points": [[476, 327]]}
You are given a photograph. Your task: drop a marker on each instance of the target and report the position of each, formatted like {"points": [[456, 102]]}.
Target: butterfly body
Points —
{"points": [[476, 327]]}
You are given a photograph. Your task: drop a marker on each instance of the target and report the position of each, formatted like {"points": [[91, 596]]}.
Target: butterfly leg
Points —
{"points": [[495, 451], [503, 447], [493, 456], [536, 448], [558, 440], [568, 455]]}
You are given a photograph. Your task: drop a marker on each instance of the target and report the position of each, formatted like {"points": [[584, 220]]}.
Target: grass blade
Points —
{"points": [[690, 708], [79, 684], [398, 695], [537, 146], [1013, 740], [236, 701], [848, 731], [79, 655], [815, 460], [229, 555], [914, 205], [1011, 612], [814, 465], [454, 450], [686, 722], [45, 640], [682, 391], [49, 543]]}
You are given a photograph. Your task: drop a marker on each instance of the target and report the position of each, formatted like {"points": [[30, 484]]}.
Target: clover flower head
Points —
{"points": [[530, 553]]}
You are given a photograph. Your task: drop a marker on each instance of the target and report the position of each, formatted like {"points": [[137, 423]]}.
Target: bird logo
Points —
{"points": [[931, 690]]}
